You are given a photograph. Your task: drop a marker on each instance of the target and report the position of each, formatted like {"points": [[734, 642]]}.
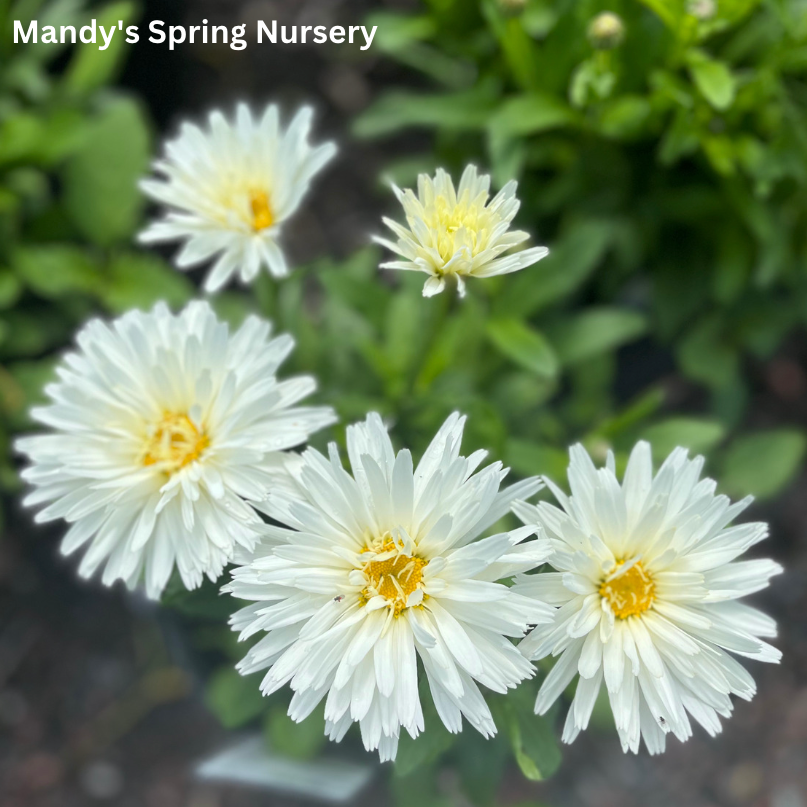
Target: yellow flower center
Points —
{"points": [[174, 443], [446, 220], [393, 578], [630, 593], [262, 216]]}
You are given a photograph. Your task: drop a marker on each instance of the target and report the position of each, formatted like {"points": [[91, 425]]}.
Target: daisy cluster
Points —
{"points": [[169, 450]]}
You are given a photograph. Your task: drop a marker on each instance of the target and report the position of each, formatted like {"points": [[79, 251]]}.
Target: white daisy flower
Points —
{"points": [[378, 568], [457, 233], [162, 426], [647, 590], [228, 191]]}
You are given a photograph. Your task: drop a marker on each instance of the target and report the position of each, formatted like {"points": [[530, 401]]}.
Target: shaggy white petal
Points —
{"points": [[228, 190], [164, 428], [646, 587], [458, 232], [380, 567]]}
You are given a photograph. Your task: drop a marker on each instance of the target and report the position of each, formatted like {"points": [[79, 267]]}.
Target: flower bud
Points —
{"points": [[606, 31]]}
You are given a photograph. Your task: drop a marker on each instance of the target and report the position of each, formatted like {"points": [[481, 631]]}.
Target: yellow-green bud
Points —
{"points": [[606, 31]]}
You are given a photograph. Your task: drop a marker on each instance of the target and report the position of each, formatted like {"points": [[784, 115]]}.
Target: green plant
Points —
{"points": [[679, 143]]}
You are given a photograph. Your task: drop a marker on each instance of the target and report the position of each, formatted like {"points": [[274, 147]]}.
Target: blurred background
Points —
{"points": [[661, 151]]}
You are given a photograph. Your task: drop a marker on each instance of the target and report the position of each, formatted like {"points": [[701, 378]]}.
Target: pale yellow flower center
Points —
{"points": [[262, 215], [174, 443], [630, 593], [394, 578], [446, 220]]}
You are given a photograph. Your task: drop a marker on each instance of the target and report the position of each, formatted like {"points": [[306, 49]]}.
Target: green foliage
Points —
{"points": [[297, 740], [763, 463], [524, 345], [532, 738], [697, 434], [234, 700], [101, 194], [684, 141]]}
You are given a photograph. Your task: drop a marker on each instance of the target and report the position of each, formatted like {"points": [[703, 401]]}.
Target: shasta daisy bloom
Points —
{"points": [[162, 428], [458, 233], [375, 569], [229, 190], [646, 585]]}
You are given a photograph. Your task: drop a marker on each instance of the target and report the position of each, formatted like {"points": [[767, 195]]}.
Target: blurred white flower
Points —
{"points": [[163, 427], [647, 590], [383, 566], [457, 232], [229, 190]]}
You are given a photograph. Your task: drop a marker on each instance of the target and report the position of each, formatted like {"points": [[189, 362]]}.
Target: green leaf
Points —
{"points": [[670, 11], [530, 114], [101, 193], [53, 271], [763, 463], [524, 345], [403, 37], [10, 289], [624, 423], [713, 78], [92, 67], [203, 604], [531, 459], [234, 700], [594, 332], [136, 280], [22, 387], [430, 744], [571, 260], [397, 31], [297, 740], [30, 331], [625, 117], [533, 742], [680, 139], [21, 136], [460, 111], [697, 434], [706, 356]]}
